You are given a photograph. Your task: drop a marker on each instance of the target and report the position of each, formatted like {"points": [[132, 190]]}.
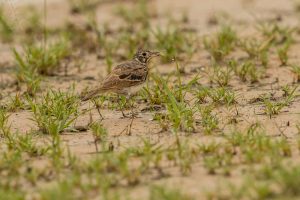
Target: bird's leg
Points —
{"points": [[129, 126], [124, 115], [122, 106], [131, 122], [91, 117], [131, 101], [98, 108]]}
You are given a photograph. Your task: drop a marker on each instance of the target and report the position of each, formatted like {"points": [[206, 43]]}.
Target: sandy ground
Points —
{"points": [[243, 14]]}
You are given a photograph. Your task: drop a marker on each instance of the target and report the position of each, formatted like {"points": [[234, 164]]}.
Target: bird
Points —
{"points": [[126, 78]]}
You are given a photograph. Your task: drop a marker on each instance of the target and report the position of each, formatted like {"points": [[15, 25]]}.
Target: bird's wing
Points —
{"points": [[122, 76], [125, 75]]}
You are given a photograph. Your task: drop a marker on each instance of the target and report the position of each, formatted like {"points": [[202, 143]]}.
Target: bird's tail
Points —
{"points": [[85, 96]]}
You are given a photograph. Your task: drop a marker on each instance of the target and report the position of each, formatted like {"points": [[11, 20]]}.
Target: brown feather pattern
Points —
{"points": [[124, 76]]}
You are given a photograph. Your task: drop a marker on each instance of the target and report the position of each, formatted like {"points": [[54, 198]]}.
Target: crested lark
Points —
{"points": [[126, 78]]}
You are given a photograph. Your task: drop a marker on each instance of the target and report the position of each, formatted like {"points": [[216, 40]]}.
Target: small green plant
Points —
{"points": [[184, 155], [212, 163], [81, 6], [108, 45], [202, 93], [221, 76], [179, 113], [274, 108], [209, 121], [288, 180], [256, 49], [248, 71], [16, 103], [162, 120], [255, 146], [132, 40], [208, 149], [296, 70], [139, 14], [283, 53], [24, 143], [288, 91], [55, 111], [162, 193], [26, 73], [6, 27], [222, 44], [61, 190], [4, 126], [100, 135], [81, 39], [174, 43], [33, 26], [39, 60], [45, 60], [11, 194], [222, 96], [276, 34]]}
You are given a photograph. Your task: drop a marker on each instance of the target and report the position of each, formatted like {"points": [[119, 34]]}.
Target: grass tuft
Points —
{"points": [[222, 44], [55, 111]]}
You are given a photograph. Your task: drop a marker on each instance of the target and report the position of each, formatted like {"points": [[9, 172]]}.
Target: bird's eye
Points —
{"points": [[144, 54]]}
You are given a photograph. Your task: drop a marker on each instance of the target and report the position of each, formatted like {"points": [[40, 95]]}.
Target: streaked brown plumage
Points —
{"points": [[125, 78]]}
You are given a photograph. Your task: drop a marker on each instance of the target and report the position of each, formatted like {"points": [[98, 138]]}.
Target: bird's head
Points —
{"points": [[144, 56]]}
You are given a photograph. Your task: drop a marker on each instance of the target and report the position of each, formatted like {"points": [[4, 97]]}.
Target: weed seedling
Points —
{"points": [[180, 114], [209, 121], [283, 53], [174, 43], [202, 93], [222, 44], [38, 59], [100, 135], [247, 71], [274, 108], [162, 120], [256, 49], [33, 26], [26, 73], [289, 92], [25, 143], [55, 112], [16, 103], [288, 180], [138, 15], [4, 127], [221, 76], [207, 149], [6, 27], [160, 192], [211, 163], [81, 6], [222, 96], [296, 71]]}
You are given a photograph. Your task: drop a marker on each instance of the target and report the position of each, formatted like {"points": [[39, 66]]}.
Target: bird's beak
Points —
{"points": [[155, 54]]}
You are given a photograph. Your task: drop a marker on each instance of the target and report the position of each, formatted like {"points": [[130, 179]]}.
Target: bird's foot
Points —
{"points": [[131, 115], [126, 131]]}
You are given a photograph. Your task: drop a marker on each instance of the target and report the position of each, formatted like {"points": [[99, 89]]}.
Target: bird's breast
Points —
{"points": [[134, 89]]}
